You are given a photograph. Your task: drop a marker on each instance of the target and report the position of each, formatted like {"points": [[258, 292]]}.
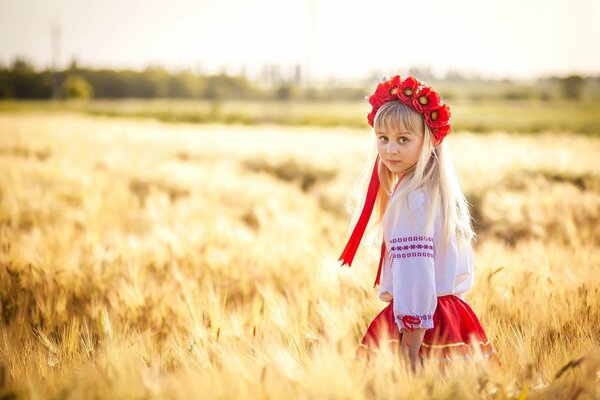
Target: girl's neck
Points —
{"points": [[400, 178]]}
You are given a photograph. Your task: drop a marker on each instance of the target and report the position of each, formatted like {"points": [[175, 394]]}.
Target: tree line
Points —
{"points": [[21, 80]]}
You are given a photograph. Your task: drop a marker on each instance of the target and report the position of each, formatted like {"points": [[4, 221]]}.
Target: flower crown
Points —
{"points": [[419, 97]]}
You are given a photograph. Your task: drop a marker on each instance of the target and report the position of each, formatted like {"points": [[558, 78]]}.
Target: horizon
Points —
{"points": [[322, 80], [306, 33]]}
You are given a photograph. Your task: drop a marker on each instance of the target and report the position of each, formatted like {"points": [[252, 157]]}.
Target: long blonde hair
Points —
{"points": [[434, 172]]}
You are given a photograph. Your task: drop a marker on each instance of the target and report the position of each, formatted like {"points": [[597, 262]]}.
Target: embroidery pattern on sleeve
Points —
{"points": [[411, 246], [413, 321]]}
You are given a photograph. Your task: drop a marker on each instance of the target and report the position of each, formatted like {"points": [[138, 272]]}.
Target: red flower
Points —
{"points": [[438, 117], [408, 88], [385, 92], [371, 116], [419, 97], [440, 133], [426, 99]]}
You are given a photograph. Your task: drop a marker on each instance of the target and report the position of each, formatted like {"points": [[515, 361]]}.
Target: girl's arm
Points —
{"points": [[411, 255], [411, 343]]}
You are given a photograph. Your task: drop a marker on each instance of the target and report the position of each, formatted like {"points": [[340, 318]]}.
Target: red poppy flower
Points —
{"points": [[371, 116], [438, 117], [419, 97], [385, 91], [408, 88], [440, 133], [375, 101], [426, 99]]}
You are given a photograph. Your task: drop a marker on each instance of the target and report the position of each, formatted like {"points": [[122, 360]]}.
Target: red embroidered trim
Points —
{"points": [[403, 251], [412, 239], [411, 321], [413, 247], [409, 255], [425, 316]]}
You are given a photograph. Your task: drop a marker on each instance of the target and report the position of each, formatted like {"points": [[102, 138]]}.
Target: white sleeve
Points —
{"points": [[411, 252]]}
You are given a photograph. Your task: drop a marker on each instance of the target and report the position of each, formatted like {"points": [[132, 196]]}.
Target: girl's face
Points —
{"points": [[399, 150]]}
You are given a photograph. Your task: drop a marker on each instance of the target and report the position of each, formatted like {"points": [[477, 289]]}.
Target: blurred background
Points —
{"points": [[173, 178], [219, 61]]}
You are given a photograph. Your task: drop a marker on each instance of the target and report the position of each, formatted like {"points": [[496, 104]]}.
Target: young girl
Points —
{"points": [[426, 262]]}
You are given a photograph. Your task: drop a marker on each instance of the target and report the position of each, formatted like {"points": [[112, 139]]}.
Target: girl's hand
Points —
{"points": [[411, 343]]}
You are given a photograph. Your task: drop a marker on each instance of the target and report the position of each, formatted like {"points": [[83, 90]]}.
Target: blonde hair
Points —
{"points": [[434, 172]]}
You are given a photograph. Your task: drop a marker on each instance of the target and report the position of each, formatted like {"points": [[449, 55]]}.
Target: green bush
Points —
{"points": [[76, 87]]}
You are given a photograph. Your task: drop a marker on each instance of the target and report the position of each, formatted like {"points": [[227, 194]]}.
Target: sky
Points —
{"points": [[518, 39]]}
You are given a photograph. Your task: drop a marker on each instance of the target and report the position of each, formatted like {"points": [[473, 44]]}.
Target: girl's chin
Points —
{"points": [[396, 168]]}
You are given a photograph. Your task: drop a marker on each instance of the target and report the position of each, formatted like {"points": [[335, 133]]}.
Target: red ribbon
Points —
{"points": [[410, 321], [350, 250], [380, 263]]}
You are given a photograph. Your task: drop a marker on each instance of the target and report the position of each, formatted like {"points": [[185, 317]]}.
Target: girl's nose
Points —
{"points": [[392, 147]]}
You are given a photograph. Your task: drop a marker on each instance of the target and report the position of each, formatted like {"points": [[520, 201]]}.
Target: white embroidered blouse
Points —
{"points": [[415, 270]]}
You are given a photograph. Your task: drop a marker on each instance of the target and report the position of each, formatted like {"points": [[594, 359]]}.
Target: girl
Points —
{"points": [[426, 262]]}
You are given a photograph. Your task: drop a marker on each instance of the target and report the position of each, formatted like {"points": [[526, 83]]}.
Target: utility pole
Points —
{"points": [[312, 28], [55, 57]]}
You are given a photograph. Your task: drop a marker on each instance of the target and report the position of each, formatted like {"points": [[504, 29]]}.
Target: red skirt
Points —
{"points": [[456, 333]]}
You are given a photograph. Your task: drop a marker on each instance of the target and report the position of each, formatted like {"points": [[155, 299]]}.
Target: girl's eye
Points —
{"points": [[384, 139]]}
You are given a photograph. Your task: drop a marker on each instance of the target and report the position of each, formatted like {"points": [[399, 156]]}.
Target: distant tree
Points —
{"points": [[571, 86], [22, 66], [153, 82], [220, 87], [283, 92], [76, 87], [6, 90], [25, 83], [298, 74], [74, 66], [184, 85]]}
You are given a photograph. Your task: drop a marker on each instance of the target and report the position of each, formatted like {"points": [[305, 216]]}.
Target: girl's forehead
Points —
{"points": [[396, 131], [394, 126]]}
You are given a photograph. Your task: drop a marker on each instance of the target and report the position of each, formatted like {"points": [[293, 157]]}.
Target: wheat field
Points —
{"points": [[147, 260]]}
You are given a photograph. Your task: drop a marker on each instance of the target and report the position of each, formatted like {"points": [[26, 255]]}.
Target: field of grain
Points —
{"points": [[478, 116], [140, 259]]}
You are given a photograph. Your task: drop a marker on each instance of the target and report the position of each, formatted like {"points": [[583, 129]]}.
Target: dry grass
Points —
{"points": [[142, 260]]}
